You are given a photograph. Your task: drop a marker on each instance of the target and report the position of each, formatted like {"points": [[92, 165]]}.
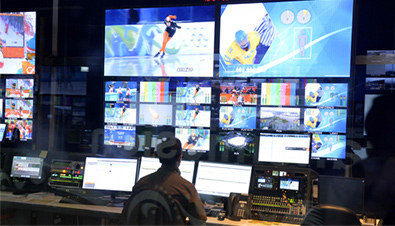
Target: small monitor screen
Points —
{"points": [[193, 93], [325, 120], [283, 94], [275, 118], [238, 93], [286, 39], [192, 115], [3, 131], [27, 167], [156, 114], [19, 108], [19, 88], [342, 191], [194, 139], [328, 146], [157, 92], [289, 184], [264, 182], [121, 91], [151, 165], [171, 41], [25, 128], [17, 42], [124, 113], [220, 179], [237, 117], [236, 142], [284, 148], [120, 135], [111, 174], [326, 94]]}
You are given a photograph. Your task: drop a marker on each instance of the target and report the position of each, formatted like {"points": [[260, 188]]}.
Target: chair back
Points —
{"points": [[331, 215]]}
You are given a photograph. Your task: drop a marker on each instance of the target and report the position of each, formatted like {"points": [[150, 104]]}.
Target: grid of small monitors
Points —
{"points": [[17, 65], [173, 87], [18, 107]]}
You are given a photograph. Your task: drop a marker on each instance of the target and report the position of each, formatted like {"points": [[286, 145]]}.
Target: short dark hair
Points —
{"points": [[169, 150]]}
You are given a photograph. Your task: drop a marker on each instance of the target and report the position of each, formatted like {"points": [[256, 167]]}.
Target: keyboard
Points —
{"points": [[99, 201]]}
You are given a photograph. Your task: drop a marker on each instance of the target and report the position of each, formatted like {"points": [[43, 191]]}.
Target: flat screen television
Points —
{"points": [[3, 131], [226, 179], [17, 42], [286, 39], [328, 146], [110, 174], [168, 41], [285, 148]]}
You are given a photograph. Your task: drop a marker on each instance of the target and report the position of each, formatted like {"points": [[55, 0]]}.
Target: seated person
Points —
{"points": [[164, 183]]}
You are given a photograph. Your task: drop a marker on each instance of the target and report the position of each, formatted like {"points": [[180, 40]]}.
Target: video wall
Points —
{"points": [[281, 67], [17, 65]]}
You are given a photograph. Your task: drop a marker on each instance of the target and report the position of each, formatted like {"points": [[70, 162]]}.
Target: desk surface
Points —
{"points": [[48, 202]]}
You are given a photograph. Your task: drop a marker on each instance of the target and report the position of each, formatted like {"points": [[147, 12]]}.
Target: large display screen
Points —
{"points": [[18, 43], [286, 39], [172, 41]]}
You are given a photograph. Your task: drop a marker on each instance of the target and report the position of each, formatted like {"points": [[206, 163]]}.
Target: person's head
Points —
{"points": [[226, 116], [169, 151], [380, 125], [318, 145], [311, 119], [242, 39]]}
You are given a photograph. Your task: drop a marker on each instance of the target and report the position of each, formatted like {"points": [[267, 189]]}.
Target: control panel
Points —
{"points": [[66, 174], [279, 193]]}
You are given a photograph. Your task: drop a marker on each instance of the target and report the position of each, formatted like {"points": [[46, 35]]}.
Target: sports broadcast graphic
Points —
{"points": [[325, 120], [120, 113], [198, 116], [194, 93], [326, 94], [194, 139], [238, 93], [237, 117], [119, 135], [18, 43], [286, 39], [173, 41], [328, 146], [121, 91]]}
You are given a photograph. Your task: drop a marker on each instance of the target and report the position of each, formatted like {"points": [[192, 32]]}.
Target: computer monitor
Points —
{"points": [[285, 148], [151, 165], [27, 167], [342, 191], [3, 131], [109, 174], [220, 179]]}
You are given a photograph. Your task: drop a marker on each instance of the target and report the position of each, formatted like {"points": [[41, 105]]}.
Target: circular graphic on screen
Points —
{"points": [[304, 16], [287, 17]]}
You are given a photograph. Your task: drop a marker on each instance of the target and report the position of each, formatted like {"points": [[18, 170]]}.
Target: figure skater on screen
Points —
{"points": [[111, 88], [316, 96], [119, 91], [192, 141], [170, 30], [127, 98]]}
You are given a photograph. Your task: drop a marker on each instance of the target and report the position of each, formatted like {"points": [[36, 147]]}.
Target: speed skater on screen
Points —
{"points": [[170, 30]]}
